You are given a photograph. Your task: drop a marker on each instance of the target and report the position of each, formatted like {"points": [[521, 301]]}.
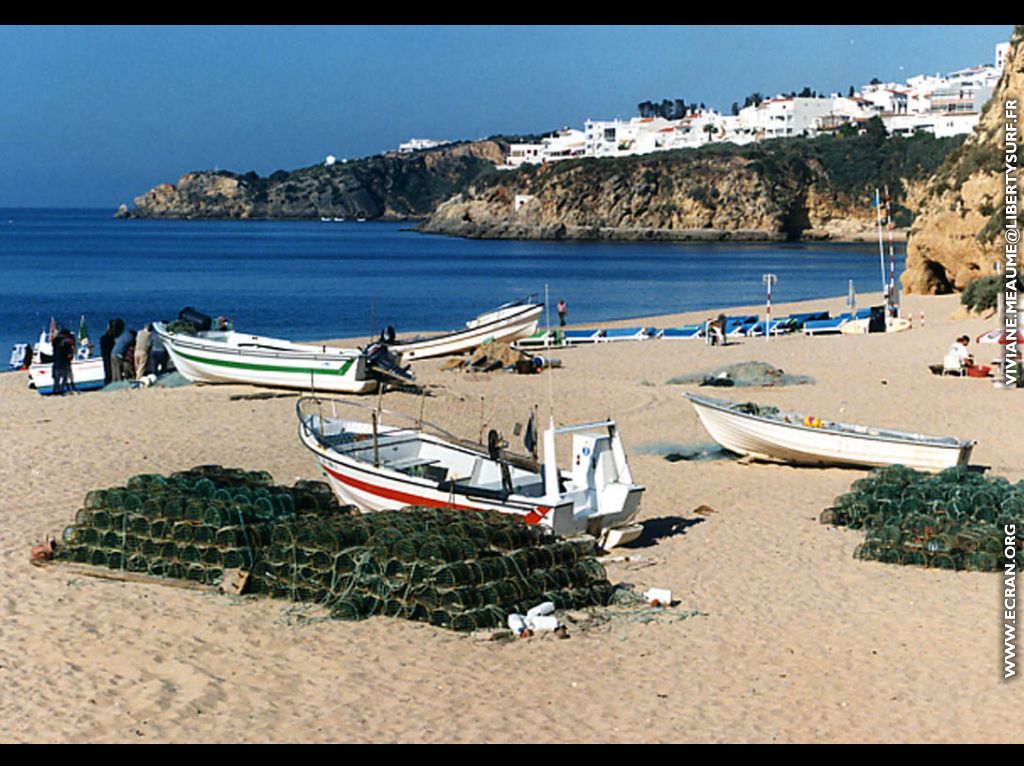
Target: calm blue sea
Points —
{"points": [[314, 280]]}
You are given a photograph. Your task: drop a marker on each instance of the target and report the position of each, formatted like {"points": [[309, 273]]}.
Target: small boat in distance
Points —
{"points": [[379, 466], [509, 322], [765, 432]]}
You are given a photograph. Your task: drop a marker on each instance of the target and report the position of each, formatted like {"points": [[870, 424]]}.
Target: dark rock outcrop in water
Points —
{"points": [[798, 188], [395, 186], [957, 237]]}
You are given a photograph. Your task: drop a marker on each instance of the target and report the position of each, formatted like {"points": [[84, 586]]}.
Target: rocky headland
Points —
{"points": [[787, 189], [956, 235], [390, 186]]}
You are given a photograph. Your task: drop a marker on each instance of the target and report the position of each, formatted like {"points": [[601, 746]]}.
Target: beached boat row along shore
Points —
{"points": [[136, 483], [376, 460]]}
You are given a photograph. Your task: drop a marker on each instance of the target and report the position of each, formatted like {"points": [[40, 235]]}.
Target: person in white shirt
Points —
{"points": [[958, 356]]}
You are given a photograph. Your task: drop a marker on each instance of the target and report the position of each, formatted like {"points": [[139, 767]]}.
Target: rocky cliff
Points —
{"points": [[955, 237], [784, 189], [394, 186]]}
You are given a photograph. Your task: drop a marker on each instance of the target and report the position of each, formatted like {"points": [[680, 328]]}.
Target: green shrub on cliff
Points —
{"points": [[982, 293]]}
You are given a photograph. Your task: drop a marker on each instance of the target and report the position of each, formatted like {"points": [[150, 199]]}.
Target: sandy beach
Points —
{"points": [[793, 640]]}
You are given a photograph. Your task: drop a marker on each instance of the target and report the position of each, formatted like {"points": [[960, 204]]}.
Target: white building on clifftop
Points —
{"points": [[942, 105]]}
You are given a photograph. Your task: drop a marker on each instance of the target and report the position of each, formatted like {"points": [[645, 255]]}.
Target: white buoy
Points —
{"points": [[659, 596], [516, 623], [542, 623], [541, 610]]}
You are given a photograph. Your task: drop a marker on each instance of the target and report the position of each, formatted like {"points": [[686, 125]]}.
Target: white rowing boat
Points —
{"points": [[766, 433], [515, 320], [229, 357], [377, 464]]}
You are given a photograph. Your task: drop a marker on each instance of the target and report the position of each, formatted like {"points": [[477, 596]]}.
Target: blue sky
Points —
{"points": [[93, 116]]}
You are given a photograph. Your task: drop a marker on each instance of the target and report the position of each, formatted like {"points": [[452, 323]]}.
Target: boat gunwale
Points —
{"points": [[400, 347], [443, 436], [189, 341], [910, 438]]}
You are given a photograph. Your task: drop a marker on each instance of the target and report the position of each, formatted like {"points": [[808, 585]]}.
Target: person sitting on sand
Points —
{"points": [[958, 356]]}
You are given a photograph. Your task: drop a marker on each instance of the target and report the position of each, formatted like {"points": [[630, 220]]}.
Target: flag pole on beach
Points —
{"points": [[891, 295], [769, 280], [881, 245]]}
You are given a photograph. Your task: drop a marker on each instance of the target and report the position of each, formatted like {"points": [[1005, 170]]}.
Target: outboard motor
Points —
{"points": [[387, 336], [195, 317], [382, 363]]}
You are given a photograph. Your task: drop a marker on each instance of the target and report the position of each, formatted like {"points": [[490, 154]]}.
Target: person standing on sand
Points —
{"points": [[157, 354], [106, 347], [63, 354], [722, 322], [142, 344], [121, 340], [562, 309]]}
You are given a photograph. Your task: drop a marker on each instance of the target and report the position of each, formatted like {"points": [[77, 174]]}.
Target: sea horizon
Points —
{"points": [[309, 280]]}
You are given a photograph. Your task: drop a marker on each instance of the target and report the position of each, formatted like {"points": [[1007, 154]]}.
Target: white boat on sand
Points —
{"points": [[86, 372], [376, 464], [515, 320], [229, 357], [764, 432]]}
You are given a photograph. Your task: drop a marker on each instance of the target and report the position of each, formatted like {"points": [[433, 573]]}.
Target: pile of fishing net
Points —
{"points": [[490, 356], [191, 525], [955, 519], [184, 327], [464, 570], [746, 374]]}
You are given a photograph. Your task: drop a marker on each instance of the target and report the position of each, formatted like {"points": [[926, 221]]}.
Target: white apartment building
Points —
{"points": [[563, 144], [945, 106], [954, 123]]}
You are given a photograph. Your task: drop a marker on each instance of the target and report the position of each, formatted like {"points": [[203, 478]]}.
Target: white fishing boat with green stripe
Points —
{"points": [[229, 357]]}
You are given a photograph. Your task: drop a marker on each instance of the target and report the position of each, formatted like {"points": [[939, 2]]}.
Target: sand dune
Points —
{"points": [[795, 640]]}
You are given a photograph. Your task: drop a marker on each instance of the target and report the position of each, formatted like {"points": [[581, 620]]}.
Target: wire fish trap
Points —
{"points": [[352, 608], [946, 560]]}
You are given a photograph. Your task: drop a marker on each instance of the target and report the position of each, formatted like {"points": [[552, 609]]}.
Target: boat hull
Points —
{"points": [[516, 324], [375, 489], [291, 366], [388, 468], [85, 375], [798, 444]]}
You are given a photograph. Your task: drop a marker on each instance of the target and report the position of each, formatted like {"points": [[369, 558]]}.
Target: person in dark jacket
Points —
{"points": [[63, 354], [106, 347]]}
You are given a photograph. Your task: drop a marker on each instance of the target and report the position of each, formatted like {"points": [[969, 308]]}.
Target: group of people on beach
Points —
{"points": [[130, 354]]}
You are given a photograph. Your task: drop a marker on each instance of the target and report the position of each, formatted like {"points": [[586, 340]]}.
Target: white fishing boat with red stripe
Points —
{"points": [[376, 464]]}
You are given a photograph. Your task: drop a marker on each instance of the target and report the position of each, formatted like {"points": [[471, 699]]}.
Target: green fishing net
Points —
{"points": [[463, 570], [954, 519]]}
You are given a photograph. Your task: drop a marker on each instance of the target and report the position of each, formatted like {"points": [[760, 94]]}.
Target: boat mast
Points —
{"points": [[892, 255], [881, 245]]}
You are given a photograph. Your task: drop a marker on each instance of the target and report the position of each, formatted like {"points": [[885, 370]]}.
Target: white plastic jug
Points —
{"points": [[541, 610], [516, 623], [542, 623], [662, 596]]}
